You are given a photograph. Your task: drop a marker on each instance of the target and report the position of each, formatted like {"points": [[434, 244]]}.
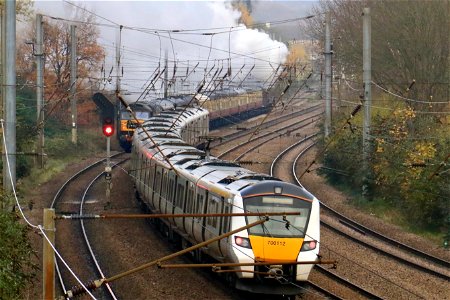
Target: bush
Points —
{"points": [[16, 267], [407, 151]]}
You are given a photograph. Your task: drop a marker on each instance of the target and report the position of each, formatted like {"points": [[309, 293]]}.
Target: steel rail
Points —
{"points": [[390, 241], [394, 243], [294, 126], [58, 196], [86, 238], [335, 277], [272, 122]]}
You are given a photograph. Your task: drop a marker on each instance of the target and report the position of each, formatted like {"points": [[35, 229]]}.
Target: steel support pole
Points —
{"points": [[9, 179], [327, 53], [73, 81], [108, 168], [166, 74], [40, 88], [367, 69], [3, 81], [118, 82]]}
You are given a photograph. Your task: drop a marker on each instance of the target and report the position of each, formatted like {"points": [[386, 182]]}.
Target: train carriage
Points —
{"points": [[196, 183]]}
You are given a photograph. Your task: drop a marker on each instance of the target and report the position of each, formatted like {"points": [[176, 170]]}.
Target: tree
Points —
{"points": [[23, 8], [410, 41], [57, 45]]}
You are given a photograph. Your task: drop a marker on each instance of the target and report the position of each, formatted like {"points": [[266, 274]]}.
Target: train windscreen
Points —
{"points": [[276, 226], [141, 115]]}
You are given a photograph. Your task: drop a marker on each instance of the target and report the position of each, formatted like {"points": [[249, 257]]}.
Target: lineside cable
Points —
{"points": [[39, 227]]}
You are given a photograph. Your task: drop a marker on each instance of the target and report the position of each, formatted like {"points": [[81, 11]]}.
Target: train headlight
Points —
{"points": [[243, 242], [309, 245]]}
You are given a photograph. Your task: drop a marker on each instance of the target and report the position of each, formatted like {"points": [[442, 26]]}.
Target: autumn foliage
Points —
{"points": [[57, 58]]}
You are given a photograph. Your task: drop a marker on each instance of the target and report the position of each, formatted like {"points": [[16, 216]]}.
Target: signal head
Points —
{"points": [[108, 127]]}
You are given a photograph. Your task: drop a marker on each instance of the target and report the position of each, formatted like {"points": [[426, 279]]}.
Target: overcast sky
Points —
{"points": [[143, 51]]}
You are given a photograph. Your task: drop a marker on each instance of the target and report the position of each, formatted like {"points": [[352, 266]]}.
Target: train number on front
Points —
{"points": [[276, 243]]}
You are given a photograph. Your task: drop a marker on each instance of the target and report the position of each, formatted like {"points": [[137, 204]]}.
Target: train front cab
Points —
{"points": [[126, 126], [292, 239]]}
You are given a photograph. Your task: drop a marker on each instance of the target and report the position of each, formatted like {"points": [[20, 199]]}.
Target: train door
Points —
{"points": [[140, 173], [199, 222], [149, 170], [225, 226], [157, 187], [163, 194], [180, 201], [145, 168], [214, 205], [170, 193], [190, 208]]}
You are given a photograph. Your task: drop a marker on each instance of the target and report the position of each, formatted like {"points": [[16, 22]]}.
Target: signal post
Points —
{"points": [[108, 131]]}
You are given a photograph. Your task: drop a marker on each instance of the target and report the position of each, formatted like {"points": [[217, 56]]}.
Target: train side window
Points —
{"points": [[157, 181], [141, 170], [180, 193], [197, 204], [213, 207], [164, 185], [200, 203], [146, 171], [190, 199], [151, 172], [170, 190], [226, 220]]}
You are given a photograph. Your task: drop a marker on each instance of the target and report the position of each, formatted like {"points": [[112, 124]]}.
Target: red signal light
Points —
{"points": [[108, 127]]}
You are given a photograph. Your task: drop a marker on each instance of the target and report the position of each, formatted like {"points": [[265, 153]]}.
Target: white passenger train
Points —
{"points": [[201, 184]]}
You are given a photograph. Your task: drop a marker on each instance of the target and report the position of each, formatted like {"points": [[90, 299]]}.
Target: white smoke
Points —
{"points": [[144, 41]]}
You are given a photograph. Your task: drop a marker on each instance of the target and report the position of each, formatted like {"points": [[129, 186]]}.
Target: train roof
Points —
{"points": [[225, 175]]}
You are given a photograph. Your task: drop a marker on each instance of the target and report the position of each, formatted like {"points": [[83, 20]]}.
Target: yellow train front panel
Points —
{"points": [[270, 249], [129, 125]]}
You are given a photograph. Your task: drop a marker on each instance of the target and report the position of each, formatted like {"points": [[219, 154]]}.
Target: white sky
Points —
{"points": [[142, 52]]}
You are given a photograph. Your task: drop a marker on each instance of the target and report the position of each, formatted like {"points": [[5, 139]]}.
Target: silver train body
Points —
{"points": [[204, 185]]}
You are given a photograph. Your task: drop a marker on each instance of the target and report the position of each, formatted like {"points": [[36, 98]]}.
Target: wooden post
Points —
{"points": [[48, 259]]}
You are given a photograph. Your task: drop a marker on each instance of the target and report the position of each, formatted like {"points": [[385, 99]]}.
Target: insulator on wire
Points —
{"points": [[355, 110], [411, 85], [419, 164], [286, 88], [79, 290]]}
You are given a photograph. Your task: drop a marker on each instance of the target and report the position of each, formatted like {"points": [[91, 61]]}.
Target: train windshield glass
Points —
{"points": [[125, 115], [141, 115], [276, 226]]}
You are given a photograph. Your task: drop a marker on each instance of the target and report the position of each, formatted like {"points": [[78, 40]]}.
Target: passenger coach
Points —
{"points": [[195, 183]]}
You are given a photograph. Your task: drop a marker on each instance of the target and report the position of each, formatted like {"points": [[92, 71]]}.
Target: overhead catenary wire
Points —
{"points": [[152, 32], [409, 99]]}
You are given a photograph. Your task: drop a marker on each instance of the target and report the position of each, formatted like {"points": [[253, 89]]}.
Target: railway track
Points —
{"points": [[328, 294], [440, 265], [424, 262], [284, 126], [263, 139], [306, 144], [246, 131], [69, 190], [270, 136]]}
